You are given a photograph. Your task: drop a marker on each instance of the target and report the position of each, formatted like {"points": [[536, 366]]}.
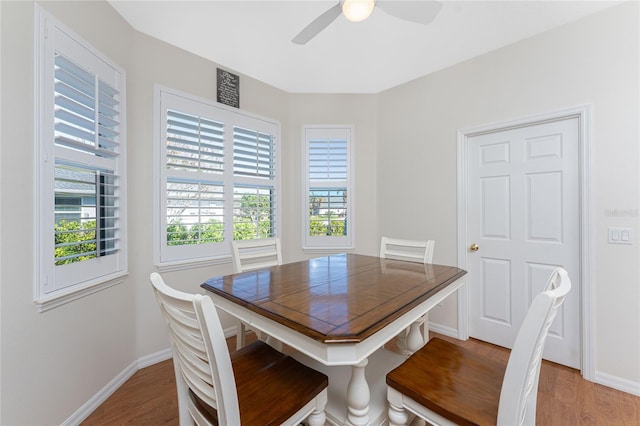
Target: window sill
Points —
{"points": [[181, 265], [63, 297], [328, 250]]}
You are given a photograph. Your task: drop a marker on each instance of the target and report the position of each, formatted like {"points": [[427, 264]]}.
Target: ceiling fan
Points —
{"points": [[420, 11]]}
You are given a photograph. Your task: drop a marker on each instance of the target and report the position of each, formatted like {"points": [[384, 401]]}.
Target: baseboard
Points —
{"points": [[230, 331], [441, 329], [618, 383], [92, 404], [155, 358]]}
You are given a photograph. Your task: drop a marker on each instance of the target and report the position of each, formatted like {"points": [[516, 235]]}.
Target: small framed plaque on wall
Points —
{"points": [[228, 88]]}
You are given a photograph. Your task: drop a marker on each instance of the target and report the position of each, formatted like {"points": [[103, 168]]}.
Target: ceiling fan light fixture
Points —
{"points": [[357, 10]]}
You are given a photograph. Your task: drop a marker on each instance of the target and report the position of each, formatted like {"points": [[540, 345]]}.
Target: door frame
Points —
{"points": [[584, 282]]}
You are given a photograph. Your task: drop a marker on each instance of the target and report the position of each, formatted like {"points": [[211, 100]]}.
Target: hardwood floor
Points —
{"points": [[564, 398]]}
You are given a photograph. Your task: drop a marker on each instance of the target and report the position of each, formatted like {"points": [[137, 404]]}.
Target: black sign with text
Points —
{"points": [[228, 88]]}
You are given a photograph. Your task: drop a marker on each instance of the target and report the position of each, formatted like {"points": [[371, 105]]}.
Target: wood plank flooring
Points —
{"points": [[564, 398]]}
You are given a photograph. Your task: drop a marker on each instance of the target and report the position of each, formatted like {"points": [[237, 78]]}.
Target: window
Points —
{"points": [[218, 179], [80, 163], [328, 191]]}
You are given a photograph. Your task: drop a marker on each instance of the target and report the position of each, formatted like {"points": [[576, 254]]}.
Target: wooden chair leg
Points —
{"points": [[397, 414], [318, 416]]}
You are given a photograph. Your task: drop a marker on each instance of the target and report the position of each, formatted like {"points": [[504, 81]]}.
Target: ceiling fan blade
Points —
{"points": [[422, 12], [318, 24]]}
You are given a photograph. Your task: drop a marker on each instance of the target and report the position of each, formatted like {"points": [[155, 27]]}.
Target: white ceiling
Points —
{"points": [[254, 38]]}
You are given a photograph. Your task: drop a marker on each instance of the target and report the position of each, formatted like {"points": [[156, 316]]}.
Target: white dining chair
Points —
{"points": [[249, 255], [444, 383], [256, 385], [412, 251]]}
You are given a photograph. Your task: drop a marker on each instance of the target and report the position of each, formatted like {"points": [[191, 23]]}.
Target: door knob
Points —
{"points": [[474, 247]]}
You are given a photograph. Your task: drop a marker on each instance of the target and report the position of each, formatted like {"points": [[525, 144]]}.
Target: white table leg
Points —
{"points": [[425, 328], [274, 343], [240, 335], [414, 339], [358, 395], [401, 341]]}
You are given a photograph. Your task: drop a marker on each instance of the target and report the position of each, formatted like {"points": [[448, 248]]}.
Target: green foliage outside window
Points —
{"points": [[251, 220], [320, 225], [252, 217], [69, 237], [180, 234], [213, 232]]}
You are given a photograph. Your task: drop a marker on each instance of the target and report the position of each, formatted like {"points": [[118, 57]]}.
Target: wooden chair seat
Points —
{"points": [[271, 386], [446, 384], [471, 391], [254, 386]]}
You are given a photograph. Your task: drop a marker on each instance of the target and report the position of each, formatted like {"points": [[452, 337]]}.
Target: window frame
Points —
{"points": [[328, 244], [56, 285], [199, 255]]}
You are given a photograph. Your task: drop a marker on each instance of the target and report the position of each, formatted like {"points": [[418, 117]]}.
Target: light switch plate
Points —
{"points": [[620, 235]]}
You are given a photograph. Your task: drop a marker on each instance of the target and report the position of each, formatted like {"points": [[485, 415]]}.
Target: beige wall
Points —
{"points": [[190, 74], [359, 111], [53, 363], [593, 61]]}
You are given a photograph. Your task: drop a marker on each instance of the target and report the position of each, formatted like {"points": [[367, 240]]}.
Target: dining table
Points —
{"points": [[336, 313]]}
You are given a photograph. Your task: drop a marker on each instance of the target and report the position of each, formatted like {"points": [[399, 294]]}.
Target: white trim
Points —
{"points": [[103, 394], [325, 251], [167, 259], [153, 358], [51, 35], [618, 383], [181, 265], [94, 402], [60, 298], [230, 331], [584, 115], [328, 244], [1, 257], [444, 330]]}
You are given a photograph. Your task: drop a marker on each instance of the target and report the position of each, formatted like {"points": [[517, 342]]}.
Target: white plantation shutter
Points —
{"points": [[80, 146], [86, 110], [86, 115], [328, 160], [194, 143], [254, 211], [198, 204], [327, 196], [218, 176], [253, 153], [193, 193], [254, 170]]}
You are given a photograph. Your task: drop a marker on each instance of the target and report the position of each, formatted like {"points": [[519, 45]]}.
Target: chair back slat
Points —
{"points": [[517, 399], [409, 250], [249, 255], [199, 349]]}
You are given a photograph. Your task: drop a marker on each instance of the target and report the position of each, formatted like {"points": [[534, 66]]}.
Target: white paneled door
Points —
{"points": [[523, 221]]}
